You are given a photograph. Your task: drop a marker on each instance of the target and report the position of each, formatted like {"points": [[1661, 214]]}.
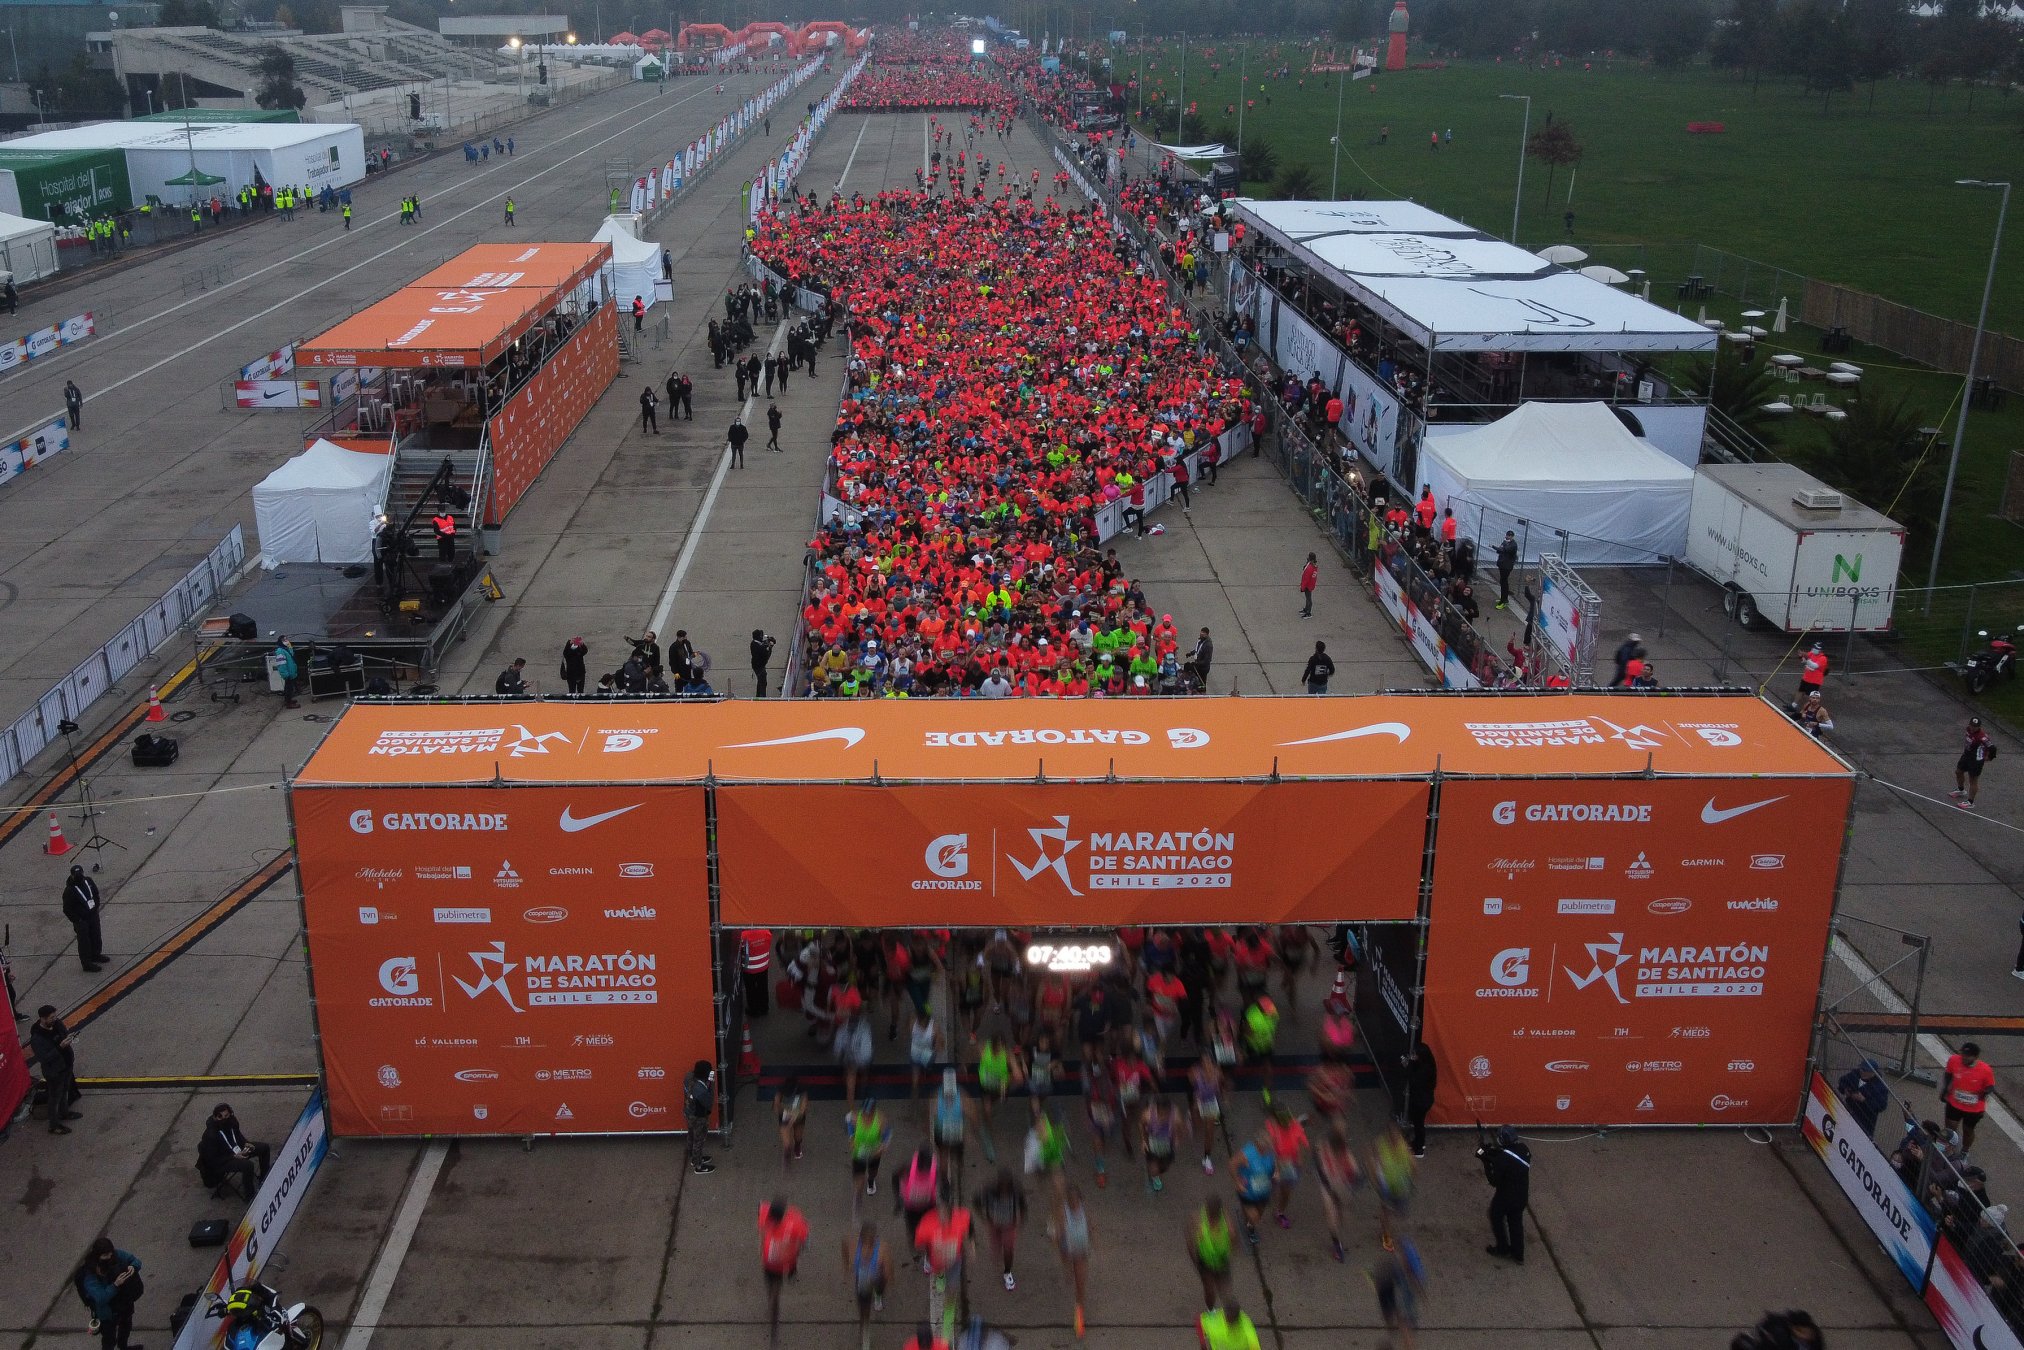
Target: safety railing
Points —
{"points": [[67, 699]]}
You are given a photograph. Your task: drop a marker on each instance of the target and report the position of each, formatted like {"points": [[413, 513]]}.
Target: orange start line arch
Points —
{"points": [[1611, 909]]}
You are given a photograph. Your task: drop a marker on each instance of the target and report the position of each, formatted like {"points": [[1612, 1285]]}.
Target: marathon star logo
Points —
{"points": [[1055, 845], [1605, 960]]}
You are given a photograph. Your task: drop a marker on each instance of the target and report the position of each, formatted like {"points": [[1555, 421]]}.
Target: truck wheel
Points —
{"points": [[1746, 610], [1729, 604]]}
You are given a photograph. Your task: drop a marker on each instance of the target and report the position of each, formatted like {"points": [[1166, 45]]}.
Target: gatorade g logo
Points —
{"points": [[361, 821], [398, 977], [1503, 813], [949, 856], [1512, 966]]}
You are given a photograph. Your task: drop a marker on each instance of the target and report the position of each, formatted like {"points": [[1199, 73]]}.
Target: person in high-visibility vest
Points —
{"points": [[1228, 1328], [196, 218], [509, 210], [446, 535], [757, 945], [347, 215]]}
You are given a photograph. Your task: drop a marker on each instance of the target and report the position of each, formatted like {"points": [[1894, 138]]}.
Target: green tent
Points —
{"points": [[194, 178]]}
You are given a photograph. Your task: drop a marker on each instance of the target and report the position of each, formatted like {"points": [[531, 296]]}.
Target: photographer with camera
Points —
{"points": [[1507, 1166]]}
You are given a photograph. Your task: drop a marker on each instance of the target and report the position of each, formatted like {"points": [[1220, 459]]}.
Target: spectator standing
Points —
{"points": [[773, 428], [285, 666], [1507, 1166], [73, 403], [49, 1040], [1320, 669], [82, 905], [575, 669], [1812, 671], [1507, 561], [681, 390], [699, 1100], [1976, 751], [1309, 575], [1203, 657], [648, 422], [1964, 1092], [1422, 1078], [762, 652], [1629, 650], [737, 436], [1865, 1095], [108, 1282]]}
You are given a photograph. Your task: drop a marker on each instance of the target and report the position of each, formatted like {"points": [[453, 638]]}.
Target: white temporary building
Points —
{"points": [[1562, 466], [1449, 288], [635, 262], [27, 248], [311, 154], [318, 507]]}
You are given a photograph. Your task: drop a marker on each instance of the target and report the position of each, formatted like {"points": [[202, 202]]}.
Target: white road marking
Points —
{"points": [[689, 545], [862, 128], [380, 1284], [416, 236], [1935, 1049]]}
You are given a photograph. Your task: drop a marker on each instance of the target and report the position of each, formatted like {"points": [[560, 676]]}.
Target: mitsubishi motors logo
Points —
{"points": [[1055, 846], [1606, 959], [493, 968]]}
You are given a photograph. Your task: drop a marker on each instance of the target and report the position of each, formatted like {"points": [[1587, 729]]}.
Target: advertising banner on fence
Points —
{"points": [[1866, 1177], [1428, 645], [19, 351], [534, 961], [1630, 951], [14, 1079], [49, 439], [272, 366], [1103, 854], [1559, 624], [267, 1219], [278, 393], [1962, 1305]]}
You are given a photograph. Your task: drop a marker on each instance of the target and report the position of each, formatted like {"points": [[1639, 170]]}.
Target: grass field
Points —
{"points": [[1859, 196]]}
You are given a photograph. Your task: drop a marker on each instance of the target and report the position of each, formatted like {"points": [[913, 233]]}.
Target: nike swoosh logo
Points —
{"points": [[1711, 816], [571, 824], [273, 393], [850, 736], [1398, 729]]}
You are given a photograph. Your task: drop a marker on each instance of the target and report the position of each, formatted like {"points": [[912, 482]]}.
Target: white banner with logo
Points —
{"points": [[20, 351], [278, 393], [49, 439], [1370, 417], [272, 366], [260, 1232], [1865, 1176], [1560, 621]]}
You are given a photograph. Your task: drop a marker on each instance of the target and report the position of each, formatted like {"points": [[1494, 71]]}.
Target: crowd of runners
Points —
{"points": [[1042, 1082], [1013, 369]]}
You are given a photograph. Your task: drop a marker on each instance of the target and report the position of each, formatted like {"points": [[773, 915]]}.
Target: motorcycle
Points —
{"points": [[1996, 661], [255, 1320]]}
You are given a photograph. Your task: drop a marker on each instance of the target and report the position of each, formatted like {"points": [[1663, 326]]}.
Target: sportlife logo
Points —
{"points": [[400, 978], [429, 822], [521, 743], [947, 857], [1178, 738], [1136, 860], [565, 979], [1573, 813], [1568, 732]]}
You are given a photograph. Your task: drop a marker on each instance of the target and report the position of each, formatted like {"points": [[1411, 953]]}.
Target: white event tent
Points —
{"points": [[318, 507], [635, 262], [1562, 466], [27, 248]]}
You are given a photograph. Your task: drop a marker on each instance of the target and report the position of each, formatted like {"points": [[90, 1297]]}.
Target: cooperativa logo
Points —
{"points": [[1671, 904], [545, 914]]}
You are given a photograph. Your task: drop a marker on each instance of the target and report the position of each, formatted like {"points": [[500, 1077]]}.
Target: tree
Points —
{"points": [[1879, 37], [1869, 455], [1675, 31], [1743, 38], [1259, 160], [189, 14], [278, 88], [1298, 183], [1737, 388], [1554, 146]]}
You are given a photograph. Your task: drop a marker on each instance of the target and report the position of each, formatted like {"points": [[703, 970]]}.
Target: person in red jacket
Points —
{"points": [[783, 1232], [1812, 671], [1309, 575], [1178, 470]]}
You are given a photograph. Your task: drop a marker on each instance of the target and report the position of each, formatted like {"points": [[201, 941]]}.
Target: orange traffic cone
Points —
{"points": [[1338, 993], [57, 845], [748, 1058], [155, 713]]}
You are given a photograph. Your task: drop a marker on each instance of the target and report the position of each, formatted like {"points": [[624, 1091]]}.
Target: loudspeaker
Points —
{"points": [[243, 628], [457, 498], [155, 752]]}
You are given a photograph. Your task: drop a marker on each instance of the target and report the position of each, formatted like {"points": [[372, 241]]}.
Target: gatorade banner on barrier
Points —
{"points": [[259, 1234]]}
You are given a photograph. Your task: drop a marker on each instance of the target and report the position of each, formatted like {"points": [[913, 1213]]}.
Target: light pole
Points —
{"points": [[17, 55], [1974, 355], [1335, 169], [1181, 104], [1243, 75], [519, 64], [1524, 135]]}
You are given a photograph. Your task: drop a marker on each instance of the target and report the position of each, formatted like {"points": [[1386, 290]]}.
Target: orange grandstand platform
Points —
{"points": [[1596, 909]]}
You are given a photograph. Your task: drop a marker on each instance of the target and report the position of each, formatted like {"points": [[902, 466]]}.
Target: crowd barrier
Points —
{"points": [[655, 191], [45, 441], [25, 349], [777, 175], [70, 696]]}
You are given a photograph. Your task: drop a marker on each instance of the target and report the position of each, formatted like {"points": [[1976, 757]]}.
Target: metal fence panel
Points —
{"points": [[52, 708], [29, 735], [124, 652], [88, 681]]}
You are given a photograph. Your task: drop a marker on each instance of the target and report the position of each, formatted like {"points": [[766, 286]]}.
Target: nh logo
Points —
{"points": [[1844, 568]]}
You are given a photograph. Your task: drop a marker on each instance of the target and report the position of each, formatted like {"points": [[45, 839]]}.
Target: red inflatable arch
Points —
{"points": [[656, 39], [623, 38], [709, 36], [755, 32], [853, 41]]}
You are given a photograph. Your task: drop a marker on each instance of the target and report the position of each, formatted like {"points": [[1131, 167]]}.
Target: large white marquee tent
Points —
{"points": [[1546, 467], [318, 506]]}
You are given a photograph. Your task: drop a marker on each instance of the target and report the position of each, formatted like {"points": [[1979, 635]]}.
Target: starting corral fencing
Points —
{"points": [[1926, 1204], [1634, 892], [69, 697]]}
